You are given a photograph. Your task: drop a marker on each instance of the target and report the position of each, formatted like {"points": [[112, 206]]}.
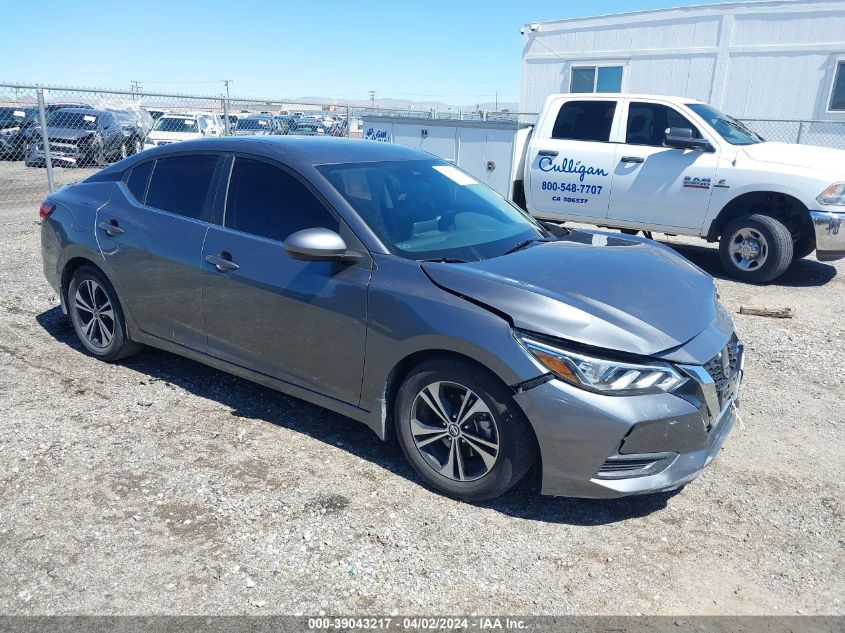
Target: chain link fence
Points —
{"points": [[50, 128], [806, 132]]}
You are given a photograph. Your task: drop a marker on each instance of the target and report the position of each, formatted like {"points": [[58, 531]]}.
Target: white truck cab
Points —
{"points": [[677, 166]]}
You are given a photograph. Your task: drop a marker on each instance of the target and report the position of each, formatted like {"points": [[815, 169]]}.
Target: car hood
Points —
{"points": [[173, 136], [66, 134], [808, 156], [593, 288]]}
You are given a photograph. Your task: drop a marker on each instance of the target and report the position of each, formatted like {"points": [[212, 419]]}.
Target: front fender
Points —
{"points": [[408, 314]]}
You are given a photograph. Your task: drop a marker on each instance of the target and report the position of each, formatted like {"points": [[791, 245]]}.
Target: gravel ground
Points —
{"points": [[159, 485]]}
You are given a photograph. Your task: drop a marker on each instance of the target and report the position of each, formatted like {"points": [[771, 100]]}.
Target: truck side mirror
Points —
{"points": [[684, 138]]}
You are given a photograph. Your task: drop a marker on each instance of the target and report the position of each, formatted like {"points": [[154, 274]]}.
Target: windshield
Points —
{"points": [[252, 124], [428, 209], [729, 128], [72, 120], [176, 124]]}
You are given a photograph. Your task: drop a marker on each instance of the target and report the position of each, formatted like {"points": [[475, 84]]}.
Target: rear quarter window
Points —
{"points": [[137, 180]]}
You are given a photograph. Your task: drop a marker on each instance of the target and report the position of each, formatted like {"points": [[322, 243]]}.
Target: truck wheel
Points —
{"points": [[802, 246], [461, 430], [755, 248]]}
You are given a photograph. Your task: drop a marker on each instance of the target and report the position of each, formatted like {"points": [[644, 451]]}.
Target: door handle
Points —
{"points": [[547, 152], [111, 228], [223, 262], [632, 159]]}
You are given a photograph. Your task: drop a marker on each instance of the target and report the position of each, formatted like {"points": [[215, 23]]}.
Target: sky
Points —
{"points": [[458, 52]]}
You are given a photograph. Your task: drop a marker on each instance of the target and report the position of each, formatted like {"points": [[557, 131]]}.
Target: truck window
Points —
{"points": [[584, 121], [648, 122]]}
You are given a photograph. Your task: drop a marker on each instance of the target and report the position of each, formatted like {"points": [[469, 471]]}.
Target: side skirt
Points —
{"points": [[343, 408]]}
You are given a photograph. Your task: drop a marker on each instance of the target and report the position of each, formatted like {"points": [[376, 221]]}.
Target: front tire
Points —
{"points": [[461, 430], [755, 248], [97, 316], [802, 246]]}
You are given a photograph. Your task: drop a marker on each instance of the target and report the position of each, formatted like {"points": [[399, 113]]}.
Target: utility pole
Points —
{"points": [[497, 101], [136, 87], [226, 123], [373, 98]]}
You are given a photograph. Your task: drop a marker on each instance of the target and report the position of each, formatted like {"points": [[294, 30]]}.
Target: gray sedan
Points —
{"points": [[387, 285]]}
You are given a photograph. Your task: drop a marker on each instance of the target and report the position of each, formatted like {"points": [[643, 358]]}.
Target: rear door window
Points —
{"points": [[181, 185], [585, 121], [138, 179], [267, 201]]}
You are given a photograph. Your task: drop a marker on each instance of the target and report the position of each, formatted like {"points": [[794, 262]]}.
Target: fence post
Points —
{"points": [[800, 131], [45, 139], [226, 129]]}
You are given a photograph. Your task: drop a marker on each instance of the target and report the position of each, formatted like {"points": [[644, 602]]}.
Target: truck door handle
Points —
{"points": [[223, 261], [111, 228], [547, 152], [632, 159]]}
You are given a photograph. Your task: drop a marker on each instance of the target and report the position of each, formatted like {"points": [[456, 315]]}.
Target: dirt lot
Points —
{"points": [[161, 486]]}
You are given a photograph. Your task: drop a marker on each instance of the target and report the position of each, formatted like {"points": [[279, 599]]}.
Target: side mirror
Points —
{"points": [[684, 138], [316, 245]]}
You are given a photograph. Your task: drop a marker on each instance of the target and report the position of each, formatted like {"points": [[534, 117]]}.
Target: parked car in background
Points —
{"points": [[388, 285], [305, 127], [14, 124], [171, 128], [256, 124], [136, 124], [77, 136], [284, 123], [155, 114]]}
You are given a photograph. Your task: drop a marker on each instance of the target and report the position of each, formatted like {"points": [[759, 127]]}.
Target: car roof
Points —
{"points": [[624, 95], [295, 151]]}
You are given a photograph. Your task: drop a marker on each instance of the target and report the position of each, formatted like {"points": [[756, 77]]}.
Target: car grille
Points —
{"points": [[724, 371]]}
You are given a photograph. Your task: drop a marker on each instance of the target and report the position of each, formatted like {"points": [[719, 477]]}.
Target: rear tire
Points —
{"points": [[755, 248], [97, 317], [453, 449]]}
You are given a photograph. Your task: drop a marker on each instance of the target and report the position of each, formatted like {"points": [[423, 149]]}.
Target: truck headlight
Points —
{"points": [[609, 377], [835, 194]]}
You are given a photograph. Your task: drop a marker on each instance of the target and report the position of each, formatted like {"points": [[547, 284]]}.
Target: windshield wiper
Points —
{"points": [[443, 260], [524, 243]]}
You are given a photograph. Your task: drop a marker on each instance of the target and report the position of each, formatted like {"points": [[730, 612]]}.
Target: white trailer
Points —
{"points": [[492, 151]]}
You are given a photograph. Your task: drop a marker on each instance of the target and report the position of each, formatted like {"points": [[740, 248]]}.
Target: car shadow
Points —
{"points": [[251, 400], [803, 273]]}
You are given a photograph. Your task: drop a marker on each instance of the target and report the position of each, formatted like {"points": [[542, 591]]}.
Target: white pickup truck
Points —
{"points": [[652, 163]]}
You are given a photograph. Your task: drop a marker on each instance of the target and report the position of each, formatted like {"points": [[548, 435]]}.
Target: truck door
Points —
{"points": [[571, 158], [655, 185]]}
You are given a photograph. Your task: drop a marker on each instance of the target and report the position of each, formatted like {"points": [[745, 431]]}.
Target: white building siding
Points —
{"points": [[771, 59]]}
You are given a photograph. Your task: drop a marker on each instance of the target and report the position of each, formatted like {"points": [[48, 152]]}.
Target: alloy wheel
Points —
{"points": [[95, 312], [748, 249], [454, 431]]}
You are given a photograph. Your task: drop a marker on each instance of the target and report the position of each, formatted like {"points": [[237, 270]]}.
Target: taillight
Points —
{"points": [[46, 209]]}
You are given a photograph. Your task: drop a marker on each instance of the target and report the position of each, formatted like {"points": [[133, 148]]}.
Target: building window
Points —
{"points": [[596, 79], [837, 97]]}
